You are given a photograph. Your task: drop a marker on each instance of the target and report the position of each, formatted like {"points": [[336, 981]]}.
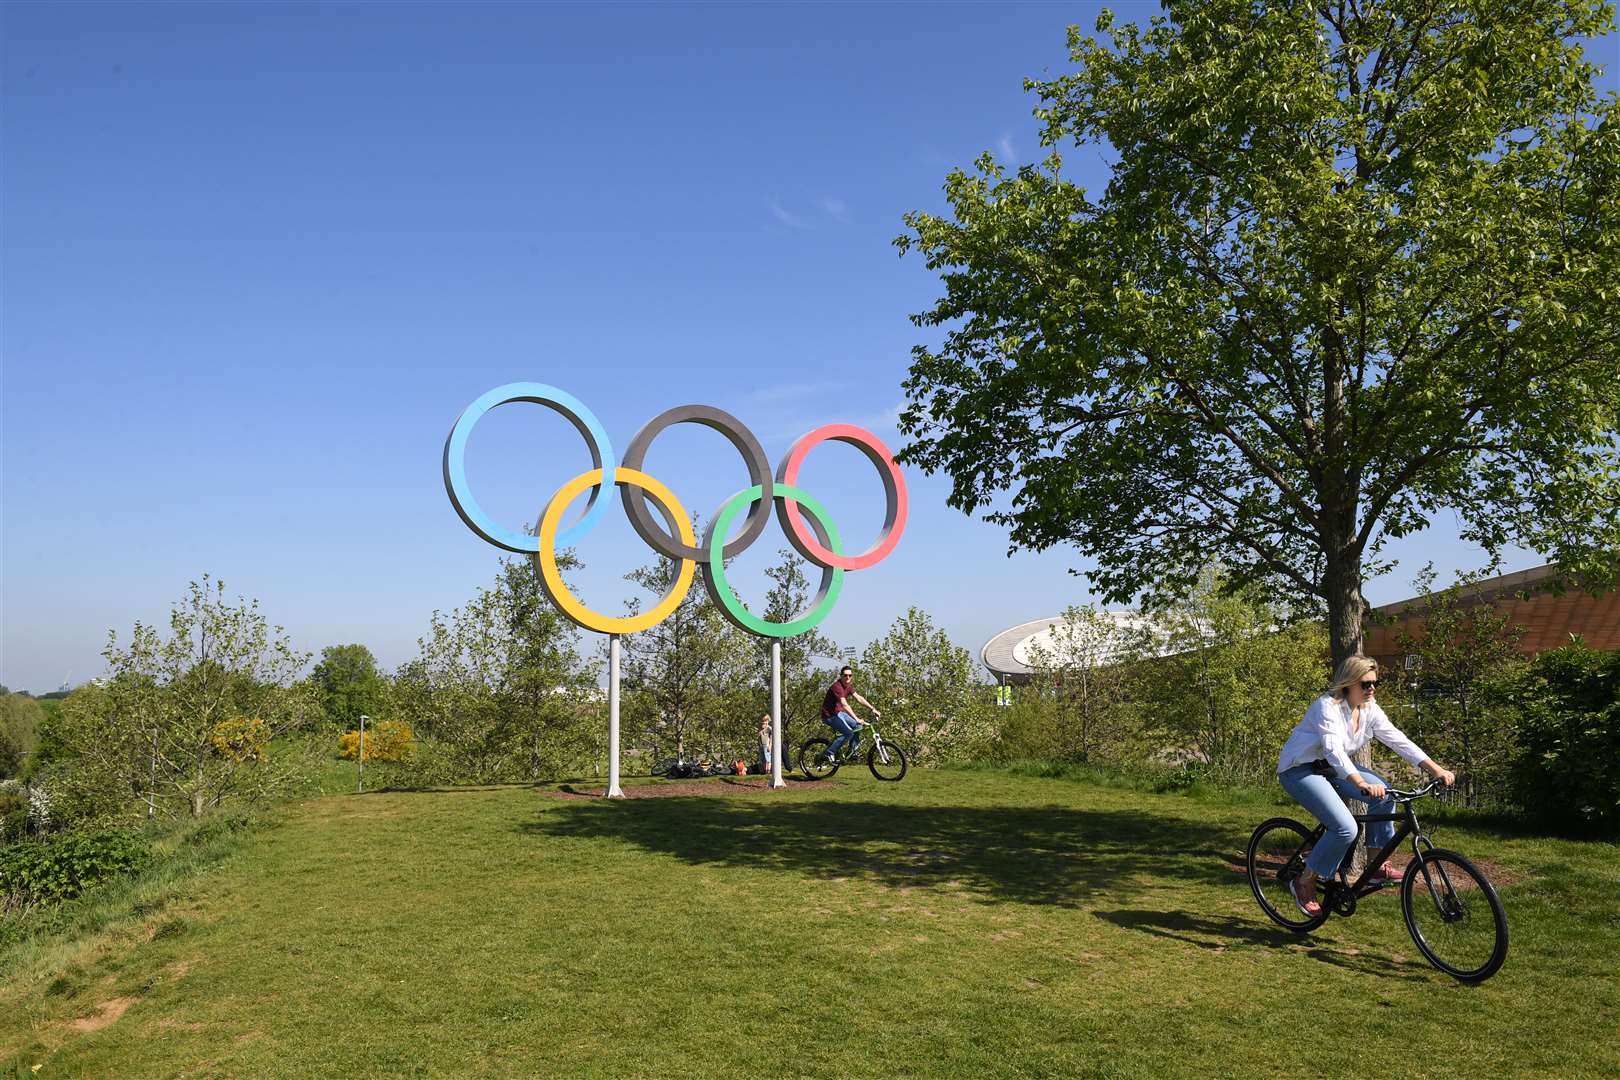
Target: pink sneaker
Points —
{"points": [[1388, 873], [1306, 903]]}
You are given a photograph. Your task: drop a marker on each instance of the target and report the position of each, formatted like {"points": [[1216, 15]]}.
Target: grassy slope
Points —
{"points": [[968, 924]]}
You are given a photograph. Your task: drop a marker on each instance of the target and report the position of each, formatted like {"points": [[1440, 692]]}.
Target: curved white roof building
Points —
{"points": [[1008, 655]]}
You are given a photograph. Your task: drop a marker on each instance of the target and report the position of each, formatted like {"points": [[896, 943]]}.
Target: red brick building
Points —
{"points": [[1527, 598]]}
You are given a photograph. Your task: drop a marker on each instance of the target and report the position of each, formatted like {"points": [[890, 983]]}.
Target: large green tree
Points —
{"points": [[928, 689], [1230, 681], [689, 679], [500, 687], [183, 721], [1356, 262], [349, 684]]}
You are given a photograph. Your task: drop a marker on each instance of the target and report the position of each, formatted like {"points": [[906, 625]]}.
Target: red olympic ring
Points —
{"points": [[894, 483]]}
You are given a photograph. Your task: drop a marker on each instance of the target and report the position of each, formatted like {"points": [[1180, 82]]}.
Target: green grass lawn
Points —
{"points": [[955, 924]]}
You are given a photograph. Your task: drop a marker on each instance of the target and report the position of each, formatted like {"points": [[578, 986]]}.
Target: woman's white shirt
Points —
{"points": [[1325, 735]]}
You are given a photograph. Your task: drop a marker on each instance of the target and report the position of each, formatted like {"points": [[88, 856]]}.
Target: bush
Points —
{"points": [[35, 873], [391, 740], [1568, 769], [20, 719], [1027, 729], [241, 738], [13, 813]]}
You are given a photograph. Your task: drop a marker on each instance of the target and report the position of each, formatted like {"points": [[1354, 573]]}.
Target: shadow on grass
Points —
{"points": [[1046, 855], [1218, 933]]}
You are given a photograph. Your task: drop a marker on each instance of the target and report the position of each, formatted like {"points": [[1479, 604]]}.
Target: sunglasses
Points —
{"points": [[1369, 684]]}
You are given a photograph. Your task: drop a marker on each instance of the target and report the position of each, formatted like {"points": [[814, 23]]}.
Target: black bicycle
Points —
{"points": [[885, 758], [1451, 910]]}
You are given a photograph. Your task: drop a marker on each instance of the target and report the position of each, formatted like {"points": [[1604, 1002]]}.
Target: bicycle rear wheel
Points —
{"points": [[1454, 915], [887, 762], [1276, 856], [813, 759]]}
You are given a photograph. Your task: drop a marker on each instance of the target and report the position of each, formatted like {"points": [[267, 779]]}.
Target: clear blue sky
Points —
{"points": [[258, 257]]}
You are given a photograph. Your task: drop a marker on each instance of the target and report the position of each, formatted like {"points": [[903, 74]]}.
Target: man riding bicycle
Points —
{"points": [[838, 714]]}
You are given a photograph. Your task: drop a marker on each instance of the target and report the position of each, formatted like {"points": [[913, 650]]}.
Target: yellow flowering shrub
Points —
{"points": [[241, 738], [389, 740]]}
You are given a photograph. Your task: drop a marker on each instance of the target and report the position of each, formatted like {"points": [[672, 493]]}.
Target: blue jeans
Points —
{"points": [[848, 731], [1321, 796]]}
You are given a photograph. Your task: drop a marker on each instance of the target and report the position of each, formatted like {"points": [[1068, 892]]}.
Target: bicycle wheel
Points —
{"points": [[887, 762], [1454, 915], [812, 759], [662, 766], [1276, 855]]}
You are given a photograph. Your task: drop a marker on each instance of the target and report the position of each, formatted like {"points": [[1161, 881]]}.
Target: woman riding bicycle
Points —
{"points": [[1316, 769]]}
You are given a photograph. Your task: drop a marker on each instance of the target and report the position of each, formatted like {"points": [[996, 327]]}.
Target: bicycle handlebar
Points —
{"points": [[1408, 796]]}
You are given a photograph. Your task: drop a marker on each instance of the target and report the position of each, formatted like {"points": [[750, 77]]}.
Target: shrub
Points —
{"points": [[390, 740], [1568, 768], [13, 813], [241, 738], [34, 872], [20, 719]]}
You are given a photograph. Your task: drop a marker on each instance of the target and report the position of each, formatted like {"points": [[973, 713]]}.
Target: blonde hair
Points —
{"points": [[1352, 670]]}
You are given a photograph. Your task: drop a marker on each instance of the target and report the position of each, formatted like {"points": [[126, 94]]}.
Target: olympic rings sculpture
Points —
{"points": [[808, 526]]}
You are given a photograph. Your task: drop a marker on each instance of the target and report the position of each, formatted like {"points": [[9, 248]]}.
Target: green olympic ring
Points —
{"points": [[714, 571]]}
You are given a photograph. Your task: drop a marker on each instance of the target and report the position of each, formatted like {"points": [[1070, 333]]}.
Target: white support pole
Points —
{"points": [[613, 789], [776, 714], [360, 759]]}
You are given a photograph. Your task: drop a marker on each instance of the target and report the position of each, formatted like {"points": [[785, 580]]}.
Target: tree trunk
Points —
{"points": [[1342, 583], [1345, 604], [1085, 716]]}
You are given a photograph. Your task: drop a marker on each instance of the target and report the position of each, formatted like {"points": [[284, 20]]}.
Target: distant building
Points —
{"points": [[1009, 655], [1526, 598]]}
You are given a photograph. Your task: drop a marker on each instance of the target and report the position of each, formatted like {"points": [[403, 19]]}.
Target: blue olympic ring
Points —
{"points": [[560, 401]]}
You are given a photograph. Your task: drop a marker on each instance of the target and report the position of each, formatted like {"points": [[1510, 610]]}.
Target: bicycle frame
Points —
{"points": [[877, 744], [862, 744], [1409, 827]]}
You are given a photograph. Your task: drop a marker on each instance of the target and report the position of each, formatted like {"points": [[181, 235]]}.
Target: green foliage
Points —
{"points": [[498, 688], [20, 721], [1027, 729], [928, 690], [349, 685], [13, 813], [36, 872], [810, 660], [1235, 682], [1355, 264], [1465, 654], [1568, 770], [181, 722], [179, 846], [1084, 669], [692, 681]]}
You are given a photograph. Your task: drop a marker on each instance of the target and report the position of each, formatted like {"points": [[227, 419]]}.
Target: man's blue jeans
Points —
{"points": [[1321, 796], [848, 731]]}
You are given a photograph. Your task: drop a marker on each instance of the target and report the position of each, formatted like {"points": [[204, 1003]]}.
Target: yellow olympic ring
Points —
{"points": [[551, 580]]}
